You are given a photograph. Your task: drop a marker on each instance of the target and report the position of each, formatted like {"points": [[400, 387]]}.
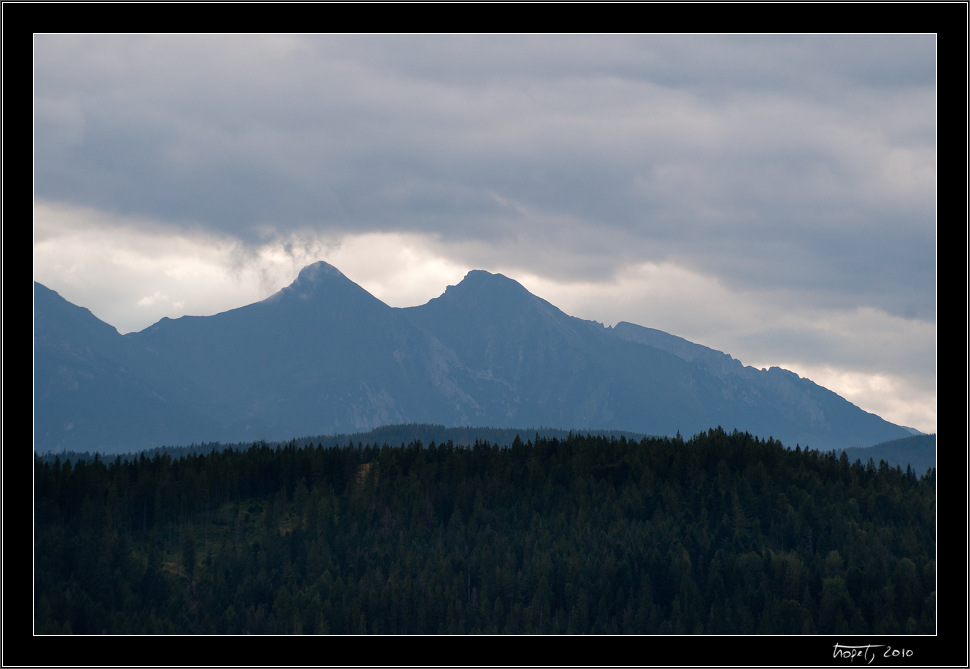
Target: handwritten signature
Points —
{"points": [[868, 652]]}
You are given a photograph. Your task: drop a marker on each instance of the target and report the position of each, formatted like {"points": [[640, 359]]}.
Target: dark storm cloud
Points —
{"points": [[803, 162]]}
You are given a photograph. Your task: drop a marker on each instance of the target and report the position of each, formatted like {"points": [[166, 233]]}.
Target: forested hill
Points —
{"points": [[386, 435], [917, 452], [722, 534]]}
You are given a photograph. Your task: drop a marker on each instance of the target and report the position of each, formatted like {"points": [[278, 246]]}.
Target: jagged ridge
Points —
{"points": [[324, 356]]}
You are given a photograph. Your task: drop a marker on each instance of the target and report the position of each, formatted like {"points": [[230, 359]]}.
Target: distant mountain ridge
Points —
{"points": [[917, 452], [323, 356]]}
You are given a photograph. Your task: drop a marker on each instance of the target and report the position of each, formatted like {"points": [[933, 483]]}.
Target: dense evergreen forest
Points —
{"points": [[718, 534]]}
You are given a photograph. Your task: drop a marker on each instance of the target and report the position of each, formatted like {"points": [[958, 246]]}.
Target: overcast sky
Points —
{"points": [[772, 197]]}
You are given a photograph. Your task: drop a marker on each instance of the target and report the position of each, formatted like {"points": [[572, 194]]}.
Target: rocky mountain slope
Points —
{"points": [[323, 356]]}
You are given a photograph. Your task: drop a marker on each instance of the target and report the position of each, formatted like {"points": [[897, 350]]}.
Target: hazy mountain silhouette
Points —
{"points": [[324, 356], [917, 452], [94, 390]]}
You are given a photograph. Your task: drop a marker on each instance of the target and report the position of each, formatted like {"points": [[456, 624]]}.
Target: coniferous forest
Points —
{"points": [[723, 533]]}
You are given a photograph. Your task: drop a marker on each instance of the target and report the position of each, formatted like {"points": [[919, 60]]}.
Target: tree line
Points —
{"points": [[723, 533]]}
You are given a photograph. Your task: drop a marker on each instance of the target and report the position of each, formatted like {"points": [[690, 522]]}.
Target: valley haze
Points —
{"points": [[323, 356]]}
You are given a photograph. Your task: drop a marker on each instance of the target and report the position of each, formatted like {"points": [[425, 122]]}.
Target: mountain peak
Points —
{"points": [[318, 271], [60, 321], [317, 275], [483, 275], [325, 287], [479, 279], [484, 290]]}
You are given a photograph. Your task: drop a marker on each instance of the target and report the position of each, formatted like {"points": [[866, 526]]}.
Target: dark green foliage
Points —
{"points": [[917, 452], [720, 534]]}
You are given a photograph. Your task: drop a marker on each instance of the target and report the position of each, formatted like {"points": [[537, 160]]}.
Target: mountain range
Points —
{"points": [[323, 356]]}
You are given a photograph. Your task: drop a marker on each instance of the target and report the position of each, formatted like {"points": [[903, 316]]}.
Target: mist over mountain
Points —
{"points": [[323, 356]]}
